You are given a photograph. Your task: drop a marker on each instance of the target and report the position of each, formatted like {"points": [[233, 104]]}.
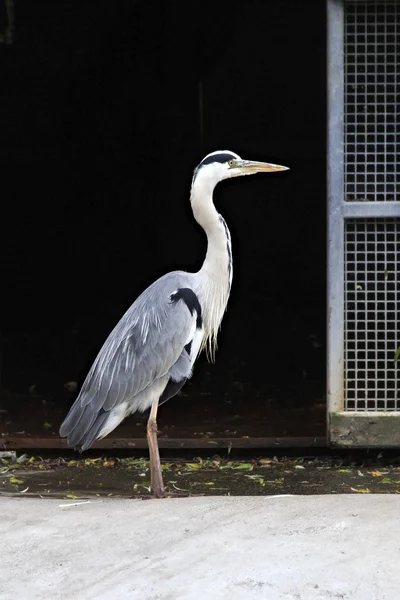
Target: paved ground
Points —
{"points": [[273, 548]]}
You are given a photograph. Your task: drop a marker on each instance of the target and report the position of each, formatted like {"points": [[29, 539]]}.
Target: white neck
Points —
{"points": [[215, 274]]}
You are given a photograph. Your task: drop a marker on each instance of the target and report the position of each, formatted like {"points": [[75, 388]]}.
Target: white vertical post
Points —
{"points": [[335, 181]]}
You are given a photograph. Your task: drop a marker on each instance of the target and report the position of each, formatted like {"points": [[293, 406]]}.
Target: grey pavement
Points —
{"points": [[271, 547]]}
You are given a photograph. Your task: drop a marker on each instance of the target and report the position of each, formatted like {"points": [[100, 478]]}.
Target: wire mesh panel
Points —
{"points": [[363, 42], [372, 321], [372, 100]]}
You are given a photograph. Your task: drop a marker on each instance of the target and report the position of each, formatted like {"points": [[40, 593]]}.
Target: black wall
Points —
{"points": [[100, 129]]}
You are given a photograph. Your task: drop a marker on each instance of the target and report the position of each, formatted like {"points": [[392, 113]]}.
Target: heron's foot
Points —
{"points": [[157, 483]]}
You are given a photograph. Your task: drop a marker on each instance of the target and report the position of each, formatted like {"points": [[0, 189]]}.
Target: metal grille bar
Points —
{"points": [[372, 100], [372, 321]]}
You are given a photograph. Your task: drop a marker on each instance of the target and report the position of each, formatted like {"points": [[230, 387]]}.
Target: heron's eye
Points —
{"points": [[231, 163]]}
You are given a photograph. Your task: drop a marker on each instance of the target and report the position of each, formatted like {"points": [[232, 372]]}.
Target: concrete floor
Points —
{"points": [[272, 548]]}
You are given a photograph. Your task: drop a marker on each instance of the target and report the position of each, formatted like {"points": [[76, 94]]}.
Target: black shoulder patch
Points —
{"points": [[192, 302], [221, 157]]}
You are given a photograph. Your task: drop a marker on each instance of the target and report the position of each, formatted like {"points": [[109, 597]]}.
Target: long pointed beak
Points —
{"points": [[251, 166]]}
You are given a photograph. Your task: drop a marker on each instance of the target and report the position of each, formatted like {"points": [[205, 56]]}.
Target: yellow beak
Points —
{"points": [[251, 166]]}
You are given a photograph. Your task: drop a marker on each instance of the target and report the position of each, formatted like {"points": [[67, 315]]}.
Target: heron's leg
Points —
{"points": [[157, 484]]}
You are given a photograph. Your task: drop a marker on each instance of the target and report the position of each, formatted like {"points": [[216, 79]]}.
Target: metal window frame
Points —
{"points": [[364, 429]]}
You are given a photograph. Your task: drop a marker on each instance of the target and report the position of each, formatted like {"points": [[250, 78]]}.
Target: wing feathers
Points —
{"points": [[148, 343]]}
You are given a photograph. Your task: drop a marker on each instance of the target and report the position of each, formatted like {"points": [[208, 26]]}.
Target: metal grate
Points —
{"points": [[372, 100], [372, 320]]}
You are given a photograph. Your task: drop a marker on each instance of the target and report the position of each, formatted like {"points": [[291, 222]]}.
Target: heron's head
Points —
{"points": [[224, 164]]}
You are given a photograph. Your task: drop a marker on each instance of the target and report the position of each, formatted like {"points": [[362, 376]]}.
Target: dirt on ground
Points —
{"points": [[129, 477]]}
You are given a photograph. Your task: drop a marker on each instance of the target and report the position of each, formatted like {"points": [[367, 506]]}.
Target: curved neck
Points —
{"points": [[215, 275], [218, 254]]}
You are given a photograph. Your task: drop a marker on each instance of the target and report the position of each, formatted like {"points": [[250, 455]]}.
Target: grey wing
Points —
{"points": [[147, 344]]}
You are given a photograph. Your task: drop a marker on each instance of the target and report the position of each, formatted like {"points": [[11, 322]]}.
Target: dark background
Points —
{"points": [[105, 109]]}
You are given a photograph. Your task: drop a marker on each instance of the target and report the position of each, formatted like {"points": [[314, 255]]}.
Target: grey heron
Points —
{"points": [[150, 354]]}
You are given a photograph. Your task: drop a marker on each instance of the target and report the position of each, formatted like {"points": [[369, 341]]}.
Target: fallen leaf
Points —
{"points": [[344, 471], [299, 467], [108, 463], [258, 478], [375, 473], [15, 480], [193, 465], [265, 461], [146, 487], [131, 462], [21, 459], [361, 490], [209, 483], [75, 503], [244, 467], [180, 489]]}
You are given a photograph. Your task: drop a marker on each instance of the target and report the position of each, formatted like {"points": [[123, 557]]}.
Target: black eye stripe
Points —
{"points": [[222, 157]]}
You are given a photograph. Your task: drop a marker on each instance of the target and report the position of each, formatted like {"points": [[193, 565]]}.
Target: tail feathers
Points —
{"points": [[82, 425], [92, 434], [74, 416]]}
